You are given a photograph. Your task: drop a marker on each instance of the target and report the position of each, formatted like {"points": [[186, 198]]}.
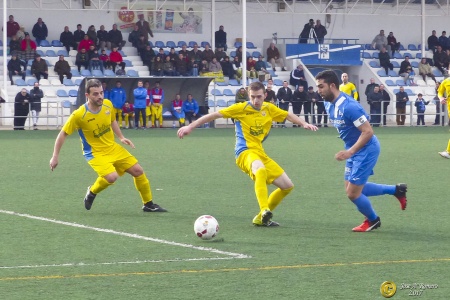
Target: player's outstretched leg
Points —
{"points": [[143, 186], [375, 189], [99, 185], [89, 198], [400, 194], [364, 206], [446, 153]]}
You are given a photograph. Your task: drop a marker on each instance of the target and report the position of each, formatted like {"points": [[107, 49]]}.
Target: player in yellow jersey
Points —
{"points": [[444, 88], [96, 124], [348, 87], [253, 121]]}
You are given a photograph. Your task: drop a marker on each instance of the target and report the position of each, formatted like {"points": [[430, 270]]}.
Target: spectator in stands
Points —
{"points": [[207, 54], [380, 41], [299, 100], [144, 27], [273, 57], [147, 57], [298, 78], [237, 67], [140, 103], [36, 94], [425, 70], [28, 46], [94, 60], [315, 99], [115, 38], [12, 27], [102, 36], [227, 67], [320, 31], [270, 95], [386, 101], [260, 67], [157, 100], [190, 108], [128, 114], [78, 35], [392, 43], [115, 59], [104, 58], [86, 43], [239, 53], [82, 59], [420, 105], [141, 45], [370, 87], [401, 98], [385, 61], [158, 67], [21, 109], [251, 71], [67, 39], [181, 66], [39, 68], [21, 34], [348, 87], [14, 45], [241, 96], [406, 71], [443, 41], [173, 55], [168, 67], [40, 31], [62, 68], [306, 32], [14, 68], [220, 36], [441, 60], [204, 67], [161, 54], [374, 99], [220, 54], [184, 51], [214, 66], [284, 96], [177, 110], [196, 55], [118, 96], [133, 37], [433, 41], [92, 34]]}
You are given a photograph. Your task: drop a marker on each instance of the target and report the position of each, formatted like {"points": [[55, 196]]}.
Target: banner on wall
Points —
{"points": [[325, 54], [168, 20]]}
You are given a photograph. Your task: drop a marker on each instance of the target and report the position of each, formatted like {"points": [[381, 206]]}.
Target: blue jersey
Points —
{"points": [[347, 115]]}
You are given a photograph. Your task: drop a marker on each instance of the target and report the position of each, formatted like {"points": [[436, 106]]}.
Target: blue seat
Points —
{"points": [[234, 82], [412, 47], [132, 73], [45, 43], [28, 72], [20, 82], [233, 54], [366, 55], [216, 92], [49, 64], [237, 44], [204, 43], [415, 64], [128, 63], [390, 83], [75, 73], [62, 93], [392, 73], [50, 53], [73, 93], [78, 81], [108, 72], [181, 44], [122, 53], [97, 73], [256, 54], [228, 92], [400, 82], [62, 52], [31, 81], [57, 43], [437, 73], [401, 47], [151, 44], [211, 103], [66, 104], [395, 64], [221, 103], [85, 73], [230, 102], [397, 55], [407, 54], [68, 82], [382, 73], [374, 64], [250, 45], [221, 83], [278, 82], [396, 91], [159, 44], [376, 55], [191, 44], [40, 52], [272, 73], [368, 47], [30, 62], [171, 44], [410, 92], [419, 55]]}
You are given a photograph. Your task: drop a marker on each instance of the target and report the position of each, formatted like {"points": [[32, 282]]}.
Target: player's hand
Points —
{"points": [[443, 101], [310, 127], [185, 130], [53, 162], [127, 142], [342, 155]]}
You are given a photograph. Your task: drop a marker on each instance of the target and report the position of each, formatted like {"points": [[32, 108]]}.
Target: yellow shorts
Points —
{"points": [[246, 158], [448, 107], [117, 160], [148, 111]]}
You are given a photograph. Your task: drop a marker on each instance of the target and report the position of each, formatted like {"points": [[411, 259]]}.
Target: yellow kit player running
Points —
{"points": [[96, 124], [253, 120], [348, 87], [444, 88]]}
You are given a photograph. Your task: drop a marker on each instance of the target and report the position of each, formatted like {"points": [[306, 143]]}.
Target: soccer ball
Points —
{"points": [[206, 227]]}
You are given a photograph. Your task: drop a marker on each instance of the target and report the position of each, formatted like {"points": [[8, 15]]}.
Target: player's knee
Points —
{"points": [[111, 178], [352, 195]]}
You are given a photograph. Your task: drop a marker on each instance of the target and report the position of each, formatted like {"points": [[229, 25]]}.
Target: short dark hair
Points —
{"points": [[256, 86], [92, 83], [329, 77]]}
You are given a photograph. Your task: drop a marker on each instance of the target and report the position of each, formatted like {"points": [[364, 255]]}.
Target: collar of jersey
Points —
{"points": [[94, 113]]}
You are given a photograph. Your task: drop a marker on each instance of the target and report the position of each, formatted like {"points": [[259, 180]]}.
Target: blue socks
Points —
{"points": [[365, 207], [375, 189]]}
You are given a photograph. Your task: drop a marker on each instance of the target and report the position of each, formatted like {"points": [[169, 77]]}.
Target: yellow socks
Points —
{"points": [[143, 186], [448, 146], [99, 185], [182, 120], [261, 188], [277, 196]]}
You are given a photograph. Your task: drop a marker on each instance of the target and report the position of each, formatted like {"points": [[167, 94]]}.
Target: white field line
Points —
{"points": [[81, 264], [126, 234]]}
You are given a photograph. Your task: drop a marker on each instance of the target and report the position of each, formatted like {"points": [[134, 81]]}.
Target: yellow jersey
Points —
{"points": [[444, 87], [349, 89], [96, 134], [252, 125]]}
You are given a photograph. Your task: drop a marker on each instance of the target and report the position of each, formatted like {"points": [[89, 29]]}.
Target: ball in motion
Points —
{"points": [[206, 227]]}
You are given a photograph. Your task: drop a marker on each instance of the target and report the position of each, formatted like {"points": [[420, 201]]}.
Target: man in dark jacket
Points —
{"points": [[433, 41], [133, 37], [62, 68], [40, 31], [401, 98], [14, 68], [304, 35], [315, 99], [370, 87], [284, 96], [67, 39], [36, 94], [21, 109], [221, 38], [78, 35], [385, 60], [386, 101], [39, 68], [299, 100], [102, 36], [374, 99], [115, 38], [320, 31]]}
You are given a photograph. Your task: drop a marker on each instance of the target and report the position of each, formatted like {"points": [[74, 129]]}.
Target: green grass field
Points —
{"points": [[52, 248]]}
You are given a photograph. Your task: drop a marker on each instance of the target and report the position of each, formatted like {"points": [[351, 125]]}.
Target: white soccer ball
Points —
{"points": [[206, 227]]}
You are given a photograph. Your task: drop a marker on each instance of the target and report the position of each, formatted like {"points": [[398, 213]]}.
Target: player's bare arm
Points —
{"points": [[59, 142], [296, 120], [116, 129], [205, 119], [366, 135]]}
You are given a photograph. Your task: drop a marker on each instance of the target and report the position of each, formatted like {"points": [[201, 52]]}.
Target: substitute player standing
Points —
{"points": [[96, 124], [348, 87], [444, 87], [361, 150], [253, 120]]}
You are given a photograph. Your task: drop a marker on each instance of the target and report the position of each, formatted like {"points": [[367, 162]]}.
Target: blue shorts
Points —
{"points": [[360, 166]]}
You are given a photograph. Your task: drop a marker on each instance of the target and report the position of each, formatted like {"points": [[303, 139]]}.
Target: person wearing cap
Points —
{"points": [[62, 68], [306, 32], [78, 35], [14, 68], [220, 37], [21, 109], [39, 68]]}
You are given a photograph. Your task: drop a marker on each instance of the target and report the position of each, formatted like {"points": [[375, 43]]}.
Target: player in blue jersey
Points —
{"points": [[361, 150]]}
